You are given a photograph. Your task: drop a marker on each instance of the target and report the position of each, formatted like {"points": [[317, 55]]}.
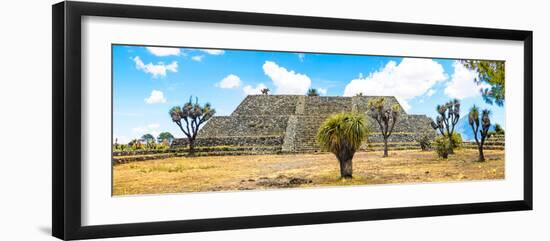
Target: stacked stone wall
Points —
{"points": [[324, 106], [267, 105], [244, 125], [231, 141], [495, 142], [408, 128]]}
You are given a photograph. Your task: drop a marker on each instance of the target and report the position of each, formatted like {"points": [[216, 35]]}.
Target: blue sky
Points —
{"points": [[147, 81]]}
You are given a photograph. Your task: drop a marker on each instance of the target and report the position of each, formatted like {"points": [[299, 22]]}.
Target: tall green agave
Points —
{"points": [[342, 134]]}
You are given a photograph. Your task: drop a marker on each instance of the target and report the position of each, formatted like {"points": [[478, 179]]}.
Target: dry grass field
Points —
{"points": [[230, 173]]}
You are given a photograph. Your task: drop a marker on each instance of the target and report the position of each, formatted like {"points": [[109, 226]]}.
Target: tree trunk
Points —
{"points": [[385, 147], [481, 156], [191, 147], [346, 167]]}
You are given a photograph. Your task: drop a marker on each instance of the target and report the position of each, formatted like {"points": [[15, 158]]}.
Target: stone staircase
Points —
{"points": [[306, 130], [310, 114]]}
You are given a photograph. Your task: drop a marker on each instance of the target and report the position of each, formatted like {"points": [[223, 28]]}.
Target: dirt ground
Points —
{"points": [[230, 173]]}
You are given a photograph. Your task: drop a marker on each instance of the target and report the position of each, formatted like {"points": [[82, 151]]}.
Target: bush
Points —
{"points": [[456, 140], [135, 145], [123, 147], [442, 146], [120, 147], [425, 142], [499, 130]]}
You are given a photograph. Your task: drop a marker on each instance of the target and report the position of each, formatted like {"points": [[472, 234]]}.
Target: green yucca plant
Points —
{"points": [[385, 117], [475, 124], [189, 118], [342, 134], [447, 119]]}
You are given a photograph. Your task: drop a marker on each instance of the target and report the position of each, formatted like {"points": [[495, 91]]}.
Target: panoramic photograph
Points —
{"points": [[189, 119]]}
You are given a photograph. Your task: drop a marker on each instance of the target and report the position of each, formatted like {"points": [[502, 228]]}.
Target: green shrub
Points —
{"points": [[425, 142], [498, 130], [135, 145], [150, 146], [456, 140], [119, 147], [161, 146], [442, 146]]}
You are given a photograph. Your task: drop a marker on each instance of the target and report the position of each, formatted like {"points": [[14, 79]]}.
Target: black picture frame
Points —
{"points": [[66, 122]]}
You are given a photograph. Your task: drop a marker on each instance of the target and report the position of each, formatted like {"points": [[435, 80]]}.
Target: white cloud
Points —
{"points": [[411, 78], [430, 92], [301, 57], [197, 58], [322, 91], [286, 82], [229, 82], [156, 97], [156, 70], [249, 90], [462, 84], [213, 51], [161, 51]]}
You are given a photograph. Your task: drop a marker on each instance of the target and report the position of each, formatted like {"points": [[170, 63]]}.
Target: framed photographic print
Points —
{"points": [[169, 120]]}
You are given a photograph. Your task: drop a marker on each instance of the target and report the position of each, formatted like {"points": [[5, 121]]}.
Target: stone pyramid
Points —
{"points": [[289, 123]]}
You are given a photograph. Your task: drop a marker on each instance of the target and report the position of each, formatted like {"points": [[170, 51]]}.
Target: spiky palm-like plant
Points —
{"points": [[312, 92], [448, 117], [385, 117], [193, 116], [342, 134], [473, 119]]}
